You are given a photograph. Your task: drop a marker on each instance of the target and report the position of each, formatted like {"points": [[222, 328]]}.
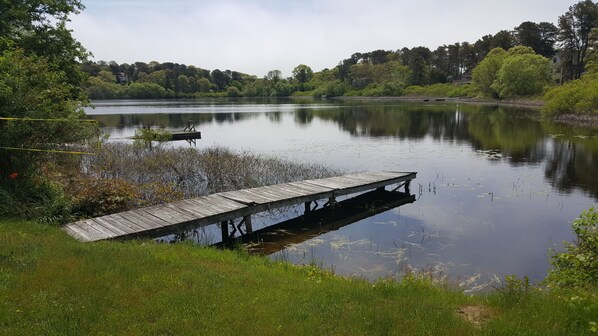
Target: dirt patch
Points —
{"points": [[477, 315], [585, 120]]}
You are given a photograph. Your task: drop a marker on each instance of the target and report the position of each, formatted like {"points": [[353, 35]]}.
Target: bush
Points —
{"points": [[233, 91], [331, 89], [99, 89], [33, 198], [440, 90], [577, 97], [577, 266], [97, 197], [146, 90]]}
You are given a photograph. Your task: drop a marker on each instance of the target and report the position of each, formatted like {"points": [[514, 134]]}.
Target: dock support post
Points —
{"points": [[307, 207], [248, 226], [332, 202], [407, 183], [224, 230]]}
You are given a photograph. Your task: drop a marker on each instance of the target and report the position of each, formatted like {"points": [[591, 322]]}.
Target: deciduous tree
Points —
{"points": [[39, 27], [302, 73], [485, 72], [523, 75]]}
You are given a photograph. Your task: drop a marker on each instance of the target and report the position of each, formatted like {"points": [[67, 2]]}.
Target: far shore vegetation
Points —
{"points": [[556, 64], [51, 284]]}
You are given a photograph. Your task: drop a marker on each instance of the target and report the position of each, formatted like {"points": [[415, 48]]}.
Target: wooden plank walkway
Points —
{"points": [[164, 219]]}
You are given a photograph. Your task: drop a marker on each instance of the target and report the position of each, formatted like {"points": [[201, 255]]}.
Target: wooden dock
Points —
{"points": [[176, 136], [294, 231], [225, 207]]}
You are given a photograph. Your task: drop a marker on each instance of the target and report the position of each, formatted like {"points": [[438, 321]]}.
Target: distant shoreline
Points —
{"points": [[481, 101], [585, 120]]}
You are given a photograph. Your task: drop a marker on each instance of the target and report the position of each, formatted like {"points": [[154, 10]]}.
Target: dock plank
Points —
{"points": [[86, 232]]}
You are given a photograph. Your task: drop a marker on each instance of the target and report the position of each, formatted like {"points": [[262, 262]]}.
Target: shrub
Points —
{"points": [[440, 90], [33, 198], [577, 266], [577, 97], [233, 91], [146, 90], [94, 197]]}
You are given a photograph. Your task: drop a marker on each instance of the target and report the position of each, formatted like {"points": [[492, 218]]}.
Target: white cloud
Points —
{"points": [[261, 35]]}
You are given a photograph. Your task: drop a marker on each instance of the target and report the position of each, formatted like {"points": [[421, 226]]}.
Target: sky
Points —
{"points": [[256, 36]]}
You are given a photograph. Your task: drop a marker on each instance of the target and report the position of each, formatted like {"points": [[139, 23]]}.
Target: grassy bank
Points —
{"points": [[51, 284]]}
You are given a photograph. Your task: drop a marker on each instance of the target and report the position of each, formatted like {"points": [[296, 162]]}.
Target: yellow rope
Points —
{"points": [[47, 151], [34, 119]]}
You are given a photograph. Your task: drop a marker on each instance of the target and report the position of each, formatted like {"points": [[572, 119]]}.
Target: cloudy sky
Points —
{"points": [[255, 36]]}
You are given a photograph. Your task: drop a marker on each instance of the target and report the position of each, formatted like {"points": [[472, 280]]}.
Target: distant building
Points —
{"points": [[121, 78]]}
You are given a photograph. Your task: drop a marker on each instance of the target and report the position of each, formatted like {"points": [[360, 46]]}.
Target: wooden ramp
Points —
{"points": [[164, 219]]}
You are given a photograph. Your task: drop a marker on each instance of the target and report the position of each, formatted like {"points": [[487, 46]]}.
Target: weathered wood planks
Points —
{"points": [[174, 217]]}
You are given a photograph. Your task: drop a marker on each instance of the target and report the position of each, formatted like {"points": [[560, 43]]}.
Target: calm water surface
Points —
{"points": [[496, 187]]}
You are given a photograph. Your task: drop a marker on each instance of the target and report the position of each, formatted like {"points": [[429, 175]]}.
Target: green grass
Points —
{"points": [[52, 285]]}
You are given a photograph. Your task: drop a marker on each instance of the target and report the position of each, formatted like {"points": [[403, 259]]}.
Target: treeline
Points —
{"points": [[374, 73], [561, 54]]}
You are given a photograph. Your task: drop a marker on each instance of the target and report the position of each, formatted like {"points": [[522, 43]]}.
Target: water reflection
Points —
{"points": [[497, 187], [504, 133], [278, 237]]}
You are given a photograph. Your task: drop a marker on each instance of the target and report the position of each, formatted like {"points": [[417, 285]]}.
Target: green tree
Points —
{"points": [[183, 84], [220, 79], [575, 27], [203, 85], [233, 91], [592, 64], [39, 28], [540, 37], [520, 50], [97, 88], [274, 76], [503, 39], [146, 90], [30, 88], [417, 60], [107, 76], [302, 73], [40, 78], [484, 74], [523, 75]]}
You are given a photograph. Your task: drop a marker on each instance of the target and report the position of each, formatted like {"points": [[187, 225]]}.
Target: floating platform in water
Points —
{"points": [[176, 136]]}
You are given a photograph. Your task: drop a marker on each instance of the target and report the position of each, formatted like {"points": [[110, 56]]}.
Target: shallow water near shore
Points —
{"points": [[496, 187]]}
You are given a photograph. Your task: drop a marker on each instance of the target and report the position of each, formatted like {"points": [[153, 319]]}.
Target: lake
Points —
{"points": [[496, 189]]}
